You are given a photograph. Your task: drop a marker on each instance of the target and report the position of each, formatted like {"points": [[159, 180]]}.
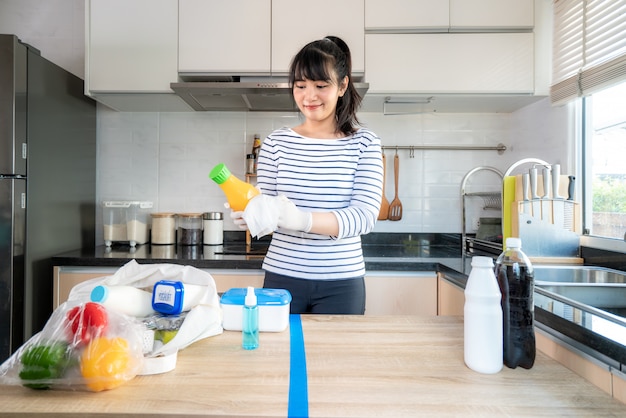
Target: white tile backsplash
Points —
{"points": [[166, 157]]}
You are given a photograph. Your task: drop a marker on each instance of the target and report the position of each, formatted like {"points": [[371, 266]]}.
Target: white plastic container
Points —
{"points": [[126, 222], [483, 350], [128, 300], [273, 309]]}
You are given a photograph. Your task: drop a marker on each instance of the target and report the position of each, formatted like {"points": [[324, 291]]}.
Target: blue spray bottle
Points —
{"points": [[250, 326]]}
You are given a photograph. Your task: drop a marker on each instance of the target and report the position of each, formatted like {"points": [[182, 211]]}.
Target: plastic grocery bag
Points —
{"points": [[83, 346], [202, 321]]}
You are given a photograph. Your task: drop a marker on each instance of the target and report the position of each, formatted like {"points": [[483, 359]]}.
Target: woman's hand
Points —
{"points": [[237, 217]]}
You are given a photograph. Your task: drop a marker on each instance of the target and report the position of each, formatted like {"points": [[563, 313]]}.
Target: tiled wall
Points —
{"points": [[166, 157]]}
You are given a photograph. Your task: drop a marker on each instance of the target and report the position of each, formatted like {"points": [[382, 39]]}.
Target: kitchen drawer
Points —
{"points": [[400, 293]]}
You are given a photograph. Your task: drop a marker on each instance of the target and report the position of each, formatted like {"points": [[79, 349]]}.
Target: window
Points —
{"points": [[604, 162]]}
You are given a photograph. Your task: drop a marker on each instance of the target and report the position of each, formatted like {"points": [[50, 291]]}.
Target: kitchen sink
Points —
{"points": [[589, 275], [597, 287]]}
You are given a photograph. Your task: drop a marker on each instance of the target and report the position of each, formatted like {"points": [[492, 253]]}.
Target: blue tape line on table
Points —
{"points": [[298, 385]]}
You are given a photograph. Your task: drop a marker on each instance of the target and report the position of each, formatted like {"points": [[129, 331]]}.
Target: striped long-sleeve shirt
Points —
{"points": [[343, 176]]}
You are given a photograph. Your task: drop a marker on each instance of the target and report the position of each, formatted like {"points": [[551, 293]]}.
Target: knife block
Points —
{"points": [[544, 240], [517, 209]]}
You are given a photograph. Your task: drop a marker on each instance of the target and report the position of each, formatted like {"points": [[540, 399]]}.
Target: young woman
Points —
{"points": [[327, 176]]}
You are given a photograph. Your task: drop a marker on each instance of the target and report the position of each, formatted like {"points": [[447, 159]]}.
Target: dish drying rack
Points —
{"points": [[491, 200]]}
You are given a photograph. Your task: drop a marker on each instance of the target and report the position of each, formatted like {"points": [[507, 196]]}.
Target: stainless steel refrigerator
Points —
{"points": [[47, 183]]}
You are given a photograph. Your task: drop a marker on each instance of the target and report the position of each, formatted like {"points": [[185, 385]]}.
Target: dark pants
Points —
{"points": [[321, 296]]}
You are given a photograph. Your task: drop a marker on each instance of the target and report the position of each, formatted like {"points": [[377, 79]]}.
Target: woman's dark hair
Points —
{"points": [[329, 59]]}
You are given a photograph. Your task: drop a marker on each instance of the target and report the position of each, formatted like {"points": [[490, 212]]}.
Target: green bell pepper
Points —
{"points": [[43, 362]]}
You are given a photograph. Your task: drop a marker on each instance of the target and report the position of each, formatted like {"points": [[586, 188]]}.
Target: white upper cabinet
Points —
{"points": [[260, 37], [224, 37], [399, 15], [447, 15], [298, 22], [455, 47], [131, 54], [450, 63], [491, 14], [131, 45]]}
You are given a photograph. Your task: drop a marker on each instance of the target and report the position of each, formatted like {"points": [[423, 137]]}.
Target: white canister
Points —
{"points": [[213, 225], [163, 228]]}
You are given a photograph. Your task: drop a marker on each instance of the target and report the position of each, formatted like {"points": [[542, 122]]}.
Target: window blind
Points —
{"points": [[589, 47]]}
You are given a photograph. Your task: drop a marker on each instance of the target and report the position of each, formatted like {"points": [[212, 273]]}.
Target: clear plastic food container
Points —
{"points": [[273, 305], [126, 222]]}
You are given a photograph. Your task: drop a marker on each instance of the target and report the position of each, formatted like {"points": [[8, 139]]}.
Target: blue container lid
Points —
{"points": [[168, 297], [265, 297]]}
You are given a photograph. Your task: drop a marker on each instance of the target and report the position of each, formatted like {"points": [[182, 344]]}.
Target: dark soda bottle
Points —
{"points": [[515, 276]]}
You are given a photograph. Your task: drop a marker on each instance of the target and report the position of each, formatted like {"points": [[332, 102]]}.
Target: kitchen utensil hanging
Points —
{"points": [[395, 208], [384, 204]]}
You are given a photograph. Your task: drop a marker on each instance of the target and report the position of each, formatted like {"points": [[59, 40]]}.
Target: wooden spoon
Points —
{"points": [[395, 208], [384, 205]]}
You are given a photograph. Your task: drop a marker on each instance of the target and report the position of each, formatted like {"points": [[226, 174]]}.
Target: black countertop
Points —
{"points": [[408, 252], [382, 252]]}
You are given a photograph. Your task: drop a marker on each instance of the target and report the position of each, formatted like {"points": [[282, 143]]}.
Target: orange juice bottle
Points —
{"points": [[238, 193]]}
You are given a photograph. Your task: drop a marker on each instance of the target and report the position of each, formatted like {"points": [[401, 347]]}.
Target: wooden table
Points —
{"points": [[357, 367]]}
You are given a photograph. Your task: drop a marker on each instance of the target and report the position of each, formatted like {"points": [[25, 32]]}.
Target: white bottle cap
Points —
{"points": [[480, 261], [512, 242], [250, 297]]}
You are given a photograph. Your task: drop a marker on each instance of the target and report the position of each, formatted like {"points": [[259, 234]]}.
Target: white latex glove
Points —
{"points": [[237, 217], [290, 217]]}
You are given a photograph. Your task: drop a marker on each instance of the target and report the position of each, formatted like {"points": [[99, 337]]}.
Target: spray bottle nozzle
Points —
{"points": [[250, 299]]}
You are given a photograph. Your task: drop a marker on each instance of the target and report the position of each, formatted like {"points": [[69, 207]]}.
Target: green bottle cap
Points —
{"points": [[220, 173]]}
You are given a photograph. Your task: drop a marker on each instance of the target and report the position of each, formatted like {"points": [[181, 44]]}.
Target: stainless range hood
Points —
{"points": [[255, 96]]}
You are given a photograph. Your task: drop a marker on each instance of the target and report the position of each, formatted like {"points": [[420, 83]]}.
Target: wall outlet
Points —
{"points": [[475, 224]]}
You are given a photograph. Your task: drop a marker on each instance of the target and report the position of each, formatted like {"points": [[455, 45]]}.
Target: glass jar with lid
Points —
{"points": [[163, 228], [190, 228]]}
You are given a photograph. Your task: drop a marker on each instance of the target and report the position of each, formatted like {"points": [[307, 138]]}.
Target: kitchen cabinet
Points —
{"points": [[297, 22], [217, 38], [468, 63], [592, 370], [450, 298], [399, 15], [444, 16], [491, 14], [65, 278], [131, 54], [387, 293], [401, 293], [220, 37]]}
